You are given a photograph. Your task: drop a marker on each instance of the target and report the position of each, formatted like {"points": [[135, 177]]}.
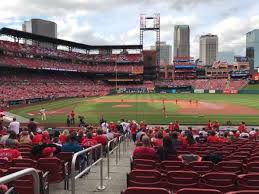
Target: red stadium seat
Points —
{"points": [[56, 168], [5, 164], [244, 192], [144, 178], [167, 166], [202, 167], [252, 167], [145, 190], [248, 181], [229, 166], [221, 181], [25, 162], [182, 179], [253, 159], [141, 164], [198, 191]]}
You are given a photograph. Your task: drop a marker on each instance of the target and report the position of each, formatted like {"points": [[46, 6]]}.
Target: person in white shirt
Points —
{"points": [[14, 126], [104, 126], [43, 114]]}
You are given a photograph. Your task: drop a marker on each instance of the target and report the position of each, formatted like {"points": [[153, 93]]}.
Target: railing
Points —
{"points": [[28, 171], [109, 152], [74, 177]]}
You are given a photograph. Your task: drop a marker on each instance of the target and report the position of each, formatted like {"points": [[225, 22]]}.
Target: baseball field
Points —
{"points": [[152, 108]]}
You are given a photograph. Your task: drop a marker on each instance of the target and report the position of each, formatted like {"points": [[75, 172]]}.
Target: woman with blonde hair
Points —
{"points": [[25, 137], [63, 137]]}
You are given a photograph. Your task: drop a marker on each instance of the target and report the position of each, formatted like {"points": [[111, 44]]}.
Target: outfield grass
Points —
{"points": [[251, 87], [150, 112]]}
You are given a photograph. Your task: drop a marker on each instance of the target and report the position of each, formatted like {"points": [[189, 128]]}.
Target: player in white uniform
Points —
{"points": [[43, 114]]}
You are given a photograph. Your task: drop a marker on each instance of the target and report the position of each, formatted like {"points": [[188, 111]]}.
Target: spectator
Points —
{"points": [[100, 138], [14, 126], [176, 143], [209, 125], [89, 141], [145, 149], [166, 149], [201, 139], [9, 152], [109, 135], [216, 126], [32, 126], [177, 126], [242, 127], [37, 139], [48, 152], [12, 139], [25, 137], [158, 141], [72, 144], [213, 138], [133, 129], [171, 126], [63, 137]]}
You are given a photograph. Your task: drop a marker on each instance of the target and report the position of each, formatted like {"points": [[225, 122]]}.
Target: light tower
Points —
{"points": [[155, 27]]}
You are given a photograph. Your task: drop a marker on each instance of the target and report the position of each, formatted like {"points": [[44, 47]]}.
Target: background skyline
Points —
{"points": [[117, 21]]}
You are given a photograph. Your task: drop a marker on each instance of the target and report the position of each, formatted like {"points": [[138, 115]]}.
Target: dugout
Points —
{"points": [[174, 90]]}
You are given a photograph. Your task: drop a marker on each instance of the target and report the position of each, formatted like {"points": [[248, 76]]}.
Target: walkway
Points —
{"points": [[89, 183]]}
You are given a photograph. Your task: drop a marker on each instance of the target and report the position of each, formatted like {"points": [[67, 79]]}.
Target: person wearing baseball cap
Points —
{"points": [[48, 152]]}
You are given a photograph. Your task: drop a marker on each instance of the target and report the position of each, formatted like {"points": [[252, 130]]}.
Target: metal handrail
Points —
{"points": [[108, 155], [74, 177], [22, 173]]}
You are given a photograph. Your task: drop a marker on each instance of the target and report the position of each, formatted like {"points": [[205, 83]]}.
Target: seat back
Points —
{"points": [[221, 181], [248, 181], [143, 164], [55, 168], [144, 178], [167, 166], [244, 192], [198, 191], [252, 167], [5, 164], [182, 179], [25, 162], [202, 167], [144, 190], [229, 166]]}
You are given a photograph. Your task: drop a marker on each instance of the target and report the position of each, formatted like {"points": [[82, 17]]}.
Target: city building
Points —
{"points": [[165, 53], [208, 49], [226, 56], [181, 41], [40, 27], [252, 49]]}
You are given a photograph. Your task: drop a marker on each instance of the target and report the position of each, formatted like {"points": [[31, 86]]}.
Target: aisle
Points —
{"points": [[89, 183]]}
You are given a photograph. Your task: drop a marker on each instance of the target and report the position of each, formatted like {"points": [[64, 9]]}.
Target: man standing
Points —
{"points": [[72, 114], [43, 114], [32, 126], [14, 126]]}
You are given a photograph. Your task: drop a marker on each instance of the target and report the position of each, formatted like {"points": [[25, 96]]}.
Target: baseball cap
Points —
{"points": [[39, 130], [48, 150]]}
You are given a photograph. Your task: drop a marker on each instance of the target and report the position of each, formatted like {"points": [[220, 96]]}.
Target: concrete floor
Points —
{"points": [[88, 184]]}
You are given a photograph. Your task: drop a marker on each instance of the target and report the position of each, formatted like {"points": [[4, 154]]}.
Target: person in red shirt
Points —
{"points": [[242, 127], [213, 138], [112, 126], [9, 153], [48, 152], [72, 114], [171, 126], [63, 137], [177, 126], [145, 149], [38, 137], [100, 138], [216, 125], [133, 129], [143, 126], [158, 141], [89, 141], [209, 125]]}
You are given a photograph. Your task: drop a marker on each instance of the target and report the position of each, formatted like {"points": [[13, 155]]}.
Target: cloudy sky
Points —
{"points": [[117, 21]]}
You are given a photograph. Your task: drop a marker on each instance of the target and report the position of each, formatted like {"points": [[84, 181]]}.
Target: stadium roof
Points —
{"points": [[56, 41]]}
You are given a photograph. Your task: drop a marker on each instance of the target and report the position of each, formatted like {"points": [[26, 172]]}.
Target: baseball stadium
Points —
{"points": [[79, 118]]}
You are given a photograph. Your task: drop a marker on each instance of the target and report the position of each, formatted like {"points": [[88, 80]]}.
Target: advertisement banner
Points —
{"points": [[212, 91], [230, 91], [199, 91]]}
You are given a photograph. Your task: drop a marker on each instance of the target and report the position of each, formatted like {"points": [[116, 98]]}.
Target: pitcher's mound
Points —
{"points": [[122, 106]]}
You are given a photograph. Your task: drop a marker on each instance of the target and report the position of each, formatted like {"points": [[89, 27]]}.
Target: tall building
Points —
{"points": [[208, 49], [165, 53], [40, 27], [252, 49], [181, 41]]}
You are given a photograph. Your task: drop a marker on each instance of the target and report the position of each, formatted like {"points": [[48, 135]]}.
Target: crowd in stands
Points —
{"points": [[40, 51], [18, 86], [33, 63], [207, 84]]}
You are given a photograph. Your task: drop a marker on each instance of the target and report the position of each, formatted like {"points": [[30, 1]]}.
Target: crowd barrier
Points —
{"points": [[22, 173]]}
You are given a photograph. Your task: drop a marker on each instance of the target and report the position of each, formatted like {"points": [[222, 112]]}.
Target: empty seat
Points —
{"points": [[182, 179], [25, 162], [167, 166], [145, 190], [202, 167], [239, 158], [144, 164], [144, 178], [229, 166], [253, 159], [198, 191], [248, 181], [221, 181], [243, 192], [252, 167]]}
